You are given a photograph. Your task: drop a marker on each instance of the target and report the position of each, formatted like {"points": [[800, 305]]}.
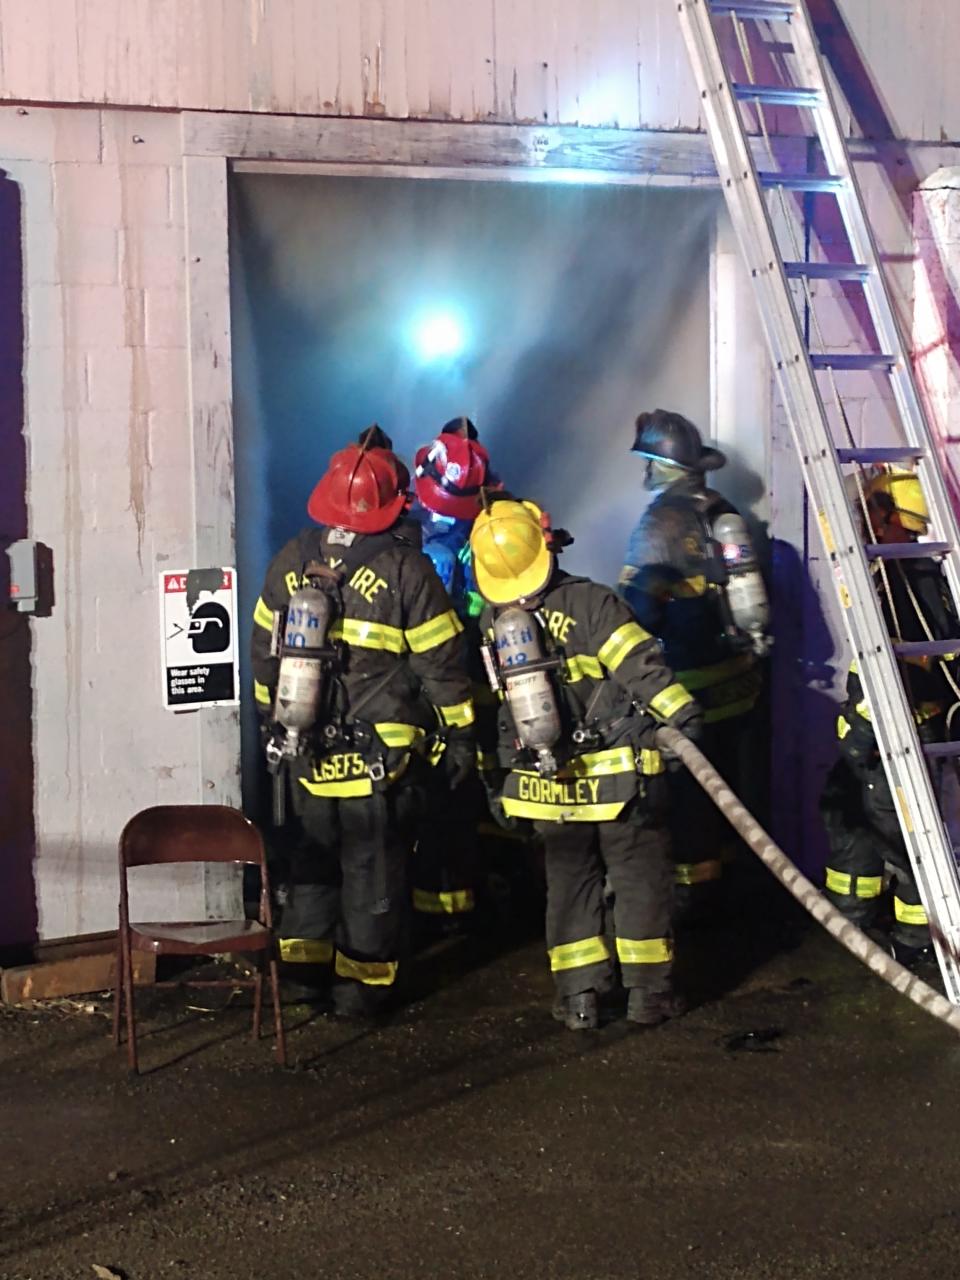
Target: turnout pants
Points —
{"points": [[700, 833], [633, 850], [348, 903], [864, 837], [446, 859]]}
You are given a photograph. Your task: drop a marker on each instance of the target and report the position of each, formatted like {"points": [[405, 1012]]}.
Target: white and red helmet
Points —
{"points": [[449, 474]]}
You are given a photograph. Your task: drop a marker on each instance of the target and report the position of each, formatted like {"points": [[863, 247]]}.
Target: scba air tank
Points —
{"points": [[745, 590], [529, 693], [302, 660]]}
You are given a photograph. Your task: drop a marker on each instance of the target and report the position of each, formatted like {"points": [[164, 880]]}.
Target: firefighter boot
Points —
{"points": [[304, 983], [579, 1012], [650, 1008]]}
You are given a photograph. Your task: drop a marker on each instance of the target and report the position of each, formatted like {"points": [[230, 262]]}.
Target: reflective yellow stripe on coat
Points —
{"points": [[262, 615], [435, 632], [669, 701], [621, 644], [844, 883], [458, 716], [261, 693], [368, 635]]}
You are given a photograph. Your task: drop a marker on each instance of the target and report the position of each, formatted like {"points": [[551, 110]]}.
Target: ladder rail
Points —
{"points": [[886, 322], [911, 785]]}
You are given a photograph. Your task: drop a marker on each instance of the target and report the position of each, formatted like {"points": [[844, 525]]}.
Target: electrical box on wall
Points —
{"points": [[31, 577]]}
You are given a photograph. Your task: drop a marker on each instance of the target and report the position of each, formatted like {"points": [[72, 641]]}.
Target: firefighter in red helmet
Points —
{"points": [[394, 687]]}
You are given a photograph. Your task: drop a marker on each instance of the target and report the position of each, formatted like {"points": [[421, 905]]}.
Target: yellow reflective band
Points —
{"points": [[399, 735], [580, 666], [863, 709], [535, 810], [623, 641], [368, 635], [575, 955], [261, 693], [869, 886], [458, 716], [731, 709], [854, 668], [454, 903], [437, 631], [843, 727], [306, 950], [909, 913], [599, 764], [838, 881], [704, 677], [651, 762], [372, 973], [698, 872], [341, 790], [669, 701], [263, 616], [646, 951], [486, 760]]}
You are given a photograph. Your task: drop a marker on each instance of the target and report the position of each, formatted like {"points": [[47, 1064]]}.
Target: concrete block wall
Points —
{"points": [[110, 486]]}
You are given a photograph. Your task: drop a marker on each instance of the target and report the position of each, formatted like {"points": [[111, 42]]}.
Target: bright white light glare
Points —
{"points": [[439, 335]]}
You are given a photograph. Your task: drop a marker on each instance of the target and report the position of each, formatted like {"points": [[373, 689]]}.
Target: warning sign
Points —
{"points": [[198, 628]]}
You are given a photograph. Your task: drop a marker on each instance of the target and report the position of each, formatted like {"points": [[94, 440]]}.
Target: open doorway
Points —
{"points": [[549, 313]]}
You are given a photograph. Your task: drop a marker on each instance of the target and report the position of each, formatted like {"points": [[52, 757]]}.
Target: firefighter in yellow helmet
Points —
{"points": [[857, 806], [583, 687]]}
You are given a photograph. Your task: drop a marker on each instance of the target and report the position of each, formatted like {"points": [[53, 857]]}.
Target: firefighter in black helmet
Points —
{"points": [[692, 580]]}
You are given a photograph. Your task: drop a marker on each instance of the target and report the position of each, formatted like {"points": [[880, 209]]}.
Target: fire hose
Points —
{"points": [[776, 861]]}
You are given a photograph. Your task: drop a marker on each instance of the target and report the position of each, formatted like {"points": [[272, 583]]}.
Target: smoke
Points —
{"points": [[580, 305]]}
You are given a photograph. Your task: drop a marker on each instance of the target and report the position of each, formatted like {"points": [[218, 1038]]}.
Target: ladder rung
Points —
{"points": [[758, 9], [826, 270], [777, 95], [802, 181], [906, 550], [894, 453], [873, 360], [933, 750], [927, 648]]}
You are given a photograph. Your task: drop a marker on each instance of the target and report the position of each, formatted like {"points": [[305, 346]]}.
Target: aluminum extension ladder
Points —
{"points": [[804, 376]]}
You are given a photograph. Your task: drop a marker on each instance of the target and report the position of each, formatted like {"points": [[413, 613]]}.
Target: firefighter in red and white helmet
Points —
{"points": [[396, 687], [451, 474]]}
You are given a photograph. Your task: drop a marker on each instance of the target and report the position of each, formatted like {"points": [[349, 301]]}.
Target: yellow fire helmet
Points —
{"points": [[901, 486], [511, 559]]}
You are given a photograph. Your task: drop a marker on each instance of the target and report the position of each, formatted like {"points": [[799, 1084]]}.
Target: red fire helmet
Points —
{"points": [[449, 474], [362, 489]]}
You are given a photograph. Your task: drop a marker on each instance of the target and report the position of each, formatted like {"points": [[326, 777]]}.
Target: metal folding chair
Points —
{"points": [[195, 833]]}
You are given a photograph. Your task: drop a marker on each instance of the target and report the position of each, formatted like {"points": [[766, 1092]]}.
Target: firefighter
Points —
{"points": [[858, 808], [576, 742], [450, 474], [686, 554], [396, 684]]}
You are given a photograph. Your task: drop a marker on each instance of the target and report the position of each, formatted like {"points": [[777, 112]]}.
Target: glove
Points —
{"points": [[459, 759], [688, 721]]}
